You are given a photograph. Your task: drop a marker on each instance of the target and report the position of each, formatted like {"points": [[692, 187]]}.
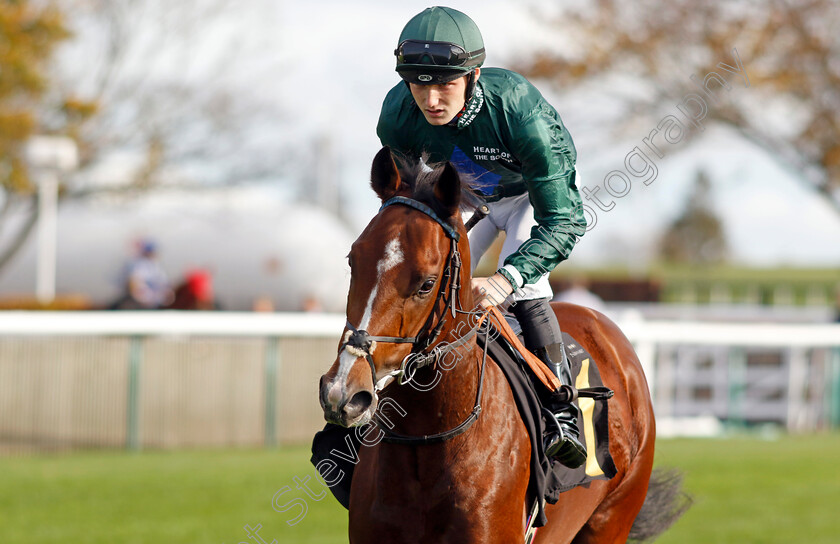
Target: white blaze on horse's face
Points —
{"points": [[393, 257]]}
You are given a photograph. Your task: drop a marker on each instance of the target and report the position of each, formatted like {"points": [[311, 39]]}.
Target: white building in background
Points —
{"points": [[257, 246]]}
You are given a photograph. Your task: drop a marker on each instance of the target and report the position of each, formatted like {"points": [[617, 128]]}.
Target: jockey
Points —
{"points": [[498, 131]]}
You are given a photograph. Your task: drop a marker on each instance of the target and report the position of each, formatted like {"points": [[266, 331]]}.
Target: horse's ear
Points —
{"points": [[448, 189], [384, 175]]}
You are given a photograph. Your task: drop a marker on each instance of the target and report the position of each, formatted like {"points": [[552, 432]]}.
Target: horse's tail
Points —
{"points": [[664, 504]]}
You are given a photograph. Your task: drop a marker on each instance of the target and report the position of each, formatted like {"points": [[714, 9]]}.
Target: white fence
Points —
{"points": [[741, 373], [161, 379], [186, 379]]}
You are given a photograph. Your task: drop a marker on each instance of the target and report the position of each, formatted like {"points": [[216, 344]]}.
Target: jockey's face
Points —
{"points": [[441, 103]]}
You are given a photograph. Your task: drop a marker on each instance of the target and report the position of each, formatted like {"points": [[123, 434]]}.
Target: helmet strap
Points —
{"points": [[468, 94]]}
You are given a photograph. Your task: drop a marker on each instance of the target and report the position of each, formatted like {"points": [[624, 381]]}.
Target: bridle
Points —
{"points": [[450, 282], [421, 355]]}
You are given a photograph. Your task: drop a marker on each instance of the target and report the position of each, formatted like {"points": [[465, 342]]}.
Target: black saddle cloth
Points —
{"points": [[336, 448]]}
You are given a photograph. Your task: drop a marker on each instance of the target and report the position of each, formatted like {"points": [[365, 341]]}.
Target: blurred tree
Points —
{"points": [[652, 48], [697, 235], [29, 35], [175, 90], [153, 94], [169, 79]]}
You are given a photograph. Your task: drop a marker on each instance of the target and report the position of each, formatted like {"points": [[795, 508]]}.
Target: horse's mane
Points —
{"points": [[421, 176]]}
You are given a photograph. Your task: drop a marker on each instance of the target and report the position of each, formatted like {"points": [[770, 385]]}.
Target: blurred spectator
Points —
{"points": [[195, 292], [146, 285], [263, 304], [578, 293], [311, 304]]}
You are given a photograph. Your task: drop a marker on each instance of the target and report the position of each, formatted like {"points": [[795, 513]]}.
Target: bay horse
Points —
{"points": [[463, 477]]}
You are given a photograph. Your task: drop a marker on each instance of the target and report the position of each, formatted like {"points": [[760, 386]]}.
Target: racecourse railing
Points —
{"points": [[71, 380], [741, 373], [161, 379]]}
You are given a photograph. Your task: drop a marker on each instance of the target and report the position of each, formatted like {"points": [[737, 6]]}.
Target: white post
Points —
{"points": [[47, 157], [797, 380], [47, 237]]}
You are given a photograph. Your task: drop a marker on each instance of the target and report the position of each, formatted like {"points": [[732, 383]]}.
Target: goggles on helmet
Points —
{"points": [[440, 53]]}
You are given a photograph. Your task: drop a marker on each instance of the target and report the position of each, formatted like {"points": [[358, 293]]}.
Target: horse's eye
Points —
{"points": [[427, 287]]}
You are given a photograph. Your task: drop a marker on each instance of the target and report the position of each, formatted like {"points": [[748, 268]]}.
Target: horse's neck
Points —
{"points": [[449, 471], [440, 396]]}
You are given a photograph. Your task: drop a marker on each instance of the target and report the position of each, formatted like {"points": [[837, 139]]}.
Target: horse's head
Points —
{"points": [[406, 273]]}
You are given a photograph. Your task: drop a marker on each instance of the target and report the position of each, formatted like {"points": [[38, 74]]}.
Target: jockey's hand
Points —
{"points": [[491, 291]]}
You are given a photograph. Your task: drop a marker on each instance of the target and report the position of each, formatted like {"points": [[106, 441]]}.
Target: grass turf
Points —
{"points": [[746, 490], [183, 497], [754, 490]]}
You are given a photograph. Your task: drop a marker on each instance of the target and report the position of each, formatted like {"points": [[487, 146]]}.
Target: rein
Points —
{"points": [[396, 438], [361, 343]]}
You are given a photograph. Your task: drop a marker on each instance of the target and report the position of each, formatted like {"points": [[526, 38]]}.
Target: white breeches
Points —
{"points": [[515, 217]]}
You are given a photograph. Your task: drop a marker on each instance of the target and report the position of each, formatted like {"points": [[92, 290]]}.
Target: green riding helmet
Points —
{"points": [[439, 45]]}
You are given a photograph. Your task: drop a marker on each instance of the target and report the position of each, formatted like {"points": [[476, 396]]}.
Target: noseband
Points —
{"points": [[451, 280]]}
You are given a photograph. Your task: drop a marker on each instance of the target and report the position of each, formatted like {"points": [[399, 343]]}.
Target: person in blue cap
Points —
{"points": [[146, 284]]}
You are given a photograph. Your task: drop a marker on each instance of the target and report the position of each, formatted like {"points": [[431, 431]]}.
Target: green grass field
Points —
{"points": [[746, 490]]}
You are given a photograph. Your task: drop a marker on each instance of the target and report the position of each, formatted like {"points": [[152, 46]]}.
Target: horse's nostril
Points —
{"points": [[358, 404], [323, 389]]}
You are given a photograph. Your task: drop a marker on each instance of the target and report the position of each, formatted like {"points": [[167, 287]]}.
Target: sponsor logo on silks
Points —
{"points": [[480, 179], [473, 107], [424, 77]]}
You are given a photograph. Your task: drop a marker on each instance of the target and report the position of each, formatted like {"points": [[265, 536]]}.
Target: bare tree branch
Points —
{"points": [[139, 78], [19, 238], [790, 48]]}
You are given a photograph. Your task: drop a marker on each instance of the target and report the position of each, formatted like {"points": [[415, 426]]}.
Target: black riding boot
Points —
{"points": [[543, 337]]}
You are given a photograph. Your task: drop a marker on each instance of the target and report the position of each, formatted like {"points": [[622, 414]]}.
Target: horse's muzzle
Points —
{"points": [[346, 408]]}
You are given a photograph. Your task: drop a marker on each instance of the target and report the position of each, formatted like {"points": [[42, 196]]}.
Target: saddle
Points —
{"points": [[528, 378]]}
